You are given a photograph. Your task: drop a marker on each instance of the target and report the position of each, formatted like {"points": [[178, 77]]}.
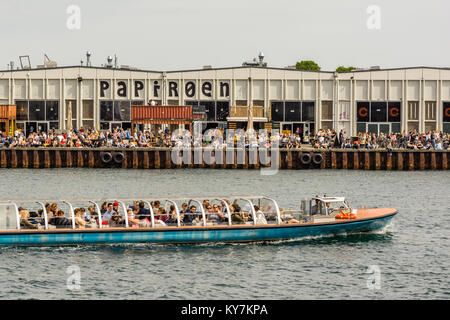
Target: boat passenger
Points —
{"points": [[143, 212], [115, 221], [315, 208], [104, 207], [59, 220], [109, 212], [132, 221], [91, 214], [80, 222], [173, 216], [162, 214], [260, 218], [116, 206], [156, 206], [25, 220], [184, 208], [218, 210], [191, 217], [210, 215], [236, 216]]}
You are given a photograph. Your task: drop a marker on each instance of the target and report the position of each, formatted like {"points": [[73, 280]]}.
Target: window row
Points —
{"points": [[214, 110], [116, 110], [35, 110], [292, 111], [378, 111]]}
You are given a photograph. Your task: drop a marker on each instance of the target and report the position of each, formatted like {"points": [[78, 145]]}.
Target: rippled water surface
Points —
{"points": [[413, 255]]}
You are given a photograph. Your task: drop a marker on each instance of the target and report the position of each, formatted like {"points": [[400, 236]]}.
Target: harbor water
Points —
{"points": [[408, 260]]}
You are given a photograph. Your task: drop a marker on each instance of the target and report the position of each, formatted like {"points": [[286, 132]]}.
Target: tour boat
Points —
{"points": [[259, 219]]}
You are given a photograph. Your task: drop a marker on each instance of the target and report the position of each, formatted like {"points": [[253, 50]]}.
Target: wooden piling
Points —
{"points": [[444, 161], [377, 161], [58, 162], [433, 161], [410, 161], [47, 163], [3, 160], [13, 159], [36, 164], [344, 160], [157, 164], [422, 161], [146, 160], [333, 160], [91, 160], [80, 162], [366, 161], [69, 162], [355, 160], [389, 161], [399, 161], [25, 159]]}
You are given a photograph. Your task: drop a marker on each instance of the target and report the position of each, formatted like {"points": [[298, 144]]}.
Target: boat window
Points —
{"points": [[9, 217], [196, 213], [216, 212], [270, 209], [243, 211], [172, 218]]}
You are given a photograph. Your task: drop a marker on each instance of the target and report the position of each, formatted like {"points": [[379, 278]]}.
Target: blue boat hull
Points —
{"points": [[191, 234]]}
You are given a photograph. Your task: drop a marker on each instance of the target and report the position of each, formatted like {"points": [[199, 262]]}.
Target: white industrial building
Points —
{"points": [[374, 100]]}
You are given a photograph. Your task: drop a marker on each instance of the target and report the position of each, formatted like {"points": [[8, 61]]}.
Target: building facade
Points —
{"points": [[390, 100]]}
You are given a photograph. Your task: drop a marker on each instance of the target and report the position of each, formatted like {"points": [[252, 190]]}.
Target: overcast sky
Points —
{"points": [[188, 34]]}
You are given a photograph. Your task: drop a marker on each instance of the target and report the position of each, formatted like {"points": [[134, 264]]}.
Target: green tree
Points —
{"points": [[344, 69], [307, 65]]}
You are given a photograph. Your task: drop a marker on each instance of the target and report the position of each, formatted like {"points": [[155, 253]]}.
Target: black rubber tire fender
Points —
{"points": [[305, 158], [106, 157], [317, 158], [118, 157]]}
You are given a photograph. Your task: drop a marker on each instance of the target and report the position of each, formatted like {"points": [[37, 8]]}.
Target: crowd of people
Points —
{"points": [[432, 140], [138, 215], [125, 138]]}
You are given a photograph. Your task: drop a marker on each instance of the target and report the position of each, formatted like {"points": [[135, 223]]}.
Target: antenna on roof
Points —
{"points": [[88, 58]]}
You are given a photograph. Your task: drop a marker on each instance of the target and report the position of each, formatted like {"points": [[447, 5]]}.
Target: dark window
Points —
{"points": [[52, 109], [191, 103], [446, 127], [277, 110], [308, 111], [361, 127], [446, 116], [126, 125], [378, 112], [292, 111], [395, 127], [122, 111], [138, 103], [394, 112], [210, 110], [362, 112], [54, 125], [22, 110], [37, 110], [106, 111], [104, 125], [223, 110]]}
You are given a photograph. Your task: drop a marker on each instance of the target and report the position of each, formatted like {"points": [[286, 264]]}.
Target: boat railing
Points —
{"points": [[44, 213], [72, 214], [94, 217], [173, 203]]}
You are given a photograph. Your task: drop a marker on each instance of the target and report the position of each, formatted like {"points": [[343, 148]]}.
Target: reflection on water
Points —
{"points": [[412, 254]]}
